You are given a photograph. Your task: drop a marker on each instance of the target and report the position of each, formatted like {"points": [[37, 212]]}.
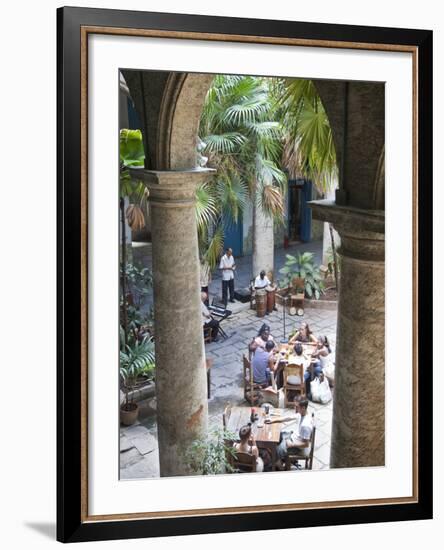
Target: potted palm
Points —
{"points": [[135, 359]]}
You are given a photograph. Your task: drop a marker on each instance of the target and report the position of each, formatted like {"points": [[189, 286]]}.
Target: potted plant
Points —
{"points": [[302, 266], [136, 359]]}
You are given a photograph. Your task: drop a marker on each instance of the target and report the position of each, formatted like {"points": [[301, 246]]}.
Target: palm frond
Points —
{"points": [[206, 205]]}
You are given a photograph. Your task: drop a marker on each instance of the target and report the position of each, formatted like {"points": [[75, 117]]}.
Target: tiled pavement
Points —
{"points": [[139, 453]]}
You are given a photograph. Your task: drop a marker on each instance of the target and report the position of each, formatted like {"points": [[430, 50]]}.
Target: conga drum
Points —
{"points": [[261, 302], [271, 298]]}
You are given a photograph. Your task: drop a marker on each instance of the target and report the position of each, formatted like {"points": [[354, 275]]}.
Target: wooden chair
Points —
{"points": [[297, 292], [294, 458], [251, 390], [207, 334], [291, 389], [243, 462]]}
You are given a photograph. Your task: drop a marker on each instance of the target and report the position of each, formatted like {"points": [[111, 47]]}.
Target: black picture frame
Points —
{"points": [[70, 524]]}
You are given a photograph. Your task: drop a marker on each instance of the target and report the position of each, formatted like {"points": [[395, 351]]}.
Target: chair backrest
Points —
{"points": [[244, 462], [312, 441], [293, 370], [298, 283], [248, 371]]}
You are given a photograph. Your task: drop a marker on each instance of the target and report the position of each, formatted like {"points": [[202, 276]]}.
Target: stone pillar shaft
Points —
{"points": [[358, 431], [181, 387]]}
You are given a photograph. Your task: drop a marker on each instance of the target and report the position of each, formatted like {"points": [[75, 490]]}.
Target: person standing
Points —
{"points": [[205, 278], [227, 266]]}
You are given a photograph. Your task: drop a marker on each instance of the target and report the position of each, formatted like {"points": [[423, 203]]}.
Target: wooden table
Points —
{"points": [[266, 437], [308, 349]]}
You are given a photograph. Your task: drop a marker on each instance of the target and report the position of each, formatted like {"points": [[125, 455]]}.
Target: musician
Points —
{"points": [[207, 320], [227, 266], [261, 281]]}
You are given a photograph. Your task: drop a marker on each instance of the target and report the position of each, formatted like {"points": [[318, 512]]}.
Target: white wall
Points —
{"points": [[28, 275]]}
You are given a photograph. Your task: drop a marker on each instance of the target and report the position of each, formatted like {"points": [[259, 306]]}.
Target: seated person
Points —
{"points": [[261, 281], [248, 445], [322, 352], [263, 364], [207, 320], [299, 359], [262, 338], [295, 440], [303, 335]]}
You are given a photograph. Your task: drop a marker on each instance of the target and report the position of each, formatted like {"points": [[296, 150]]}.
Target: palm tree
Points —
{"points": [[309, 148], [243, 141]]}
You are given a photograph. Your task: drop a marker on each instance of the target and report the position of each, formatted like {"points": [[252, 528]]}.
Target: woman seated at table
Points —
{"points": [[247, 445], [263, 364], [303, 335], [323, 353], [263, 336]]}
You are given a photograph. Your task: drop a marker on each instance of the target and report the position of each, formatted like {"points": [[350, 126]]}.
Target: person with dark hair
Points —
{"points": [[263, 364], [261, 281], [227, 266], [263, 336], [300, 359], [297, 435], [303, 335], [322, 351], [247, 445]]}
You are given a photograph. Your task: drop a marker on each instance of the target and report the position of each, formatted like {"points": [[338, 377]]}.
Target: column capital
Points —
{"points": [[362, 231], [171, 188]]}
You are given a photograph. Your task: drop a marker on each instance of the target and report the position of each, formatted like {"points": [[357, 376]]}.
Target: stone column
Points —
{"points": [[181, 384], [358, 431], [263, 242]]}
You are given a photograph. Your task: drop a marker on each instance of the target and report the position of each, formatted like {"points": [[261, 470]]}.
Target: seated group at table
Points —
{"points": [[294, 439], [264, 361]]}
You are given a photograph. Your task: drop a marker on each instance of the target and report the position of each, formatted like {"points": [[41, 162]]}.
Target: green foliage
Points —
{"points": [[303, 266], [132, 155], [309, 148], [331, 261], [242, 137], [136, 359], [210, 455], [131, 148], [139, 283]]}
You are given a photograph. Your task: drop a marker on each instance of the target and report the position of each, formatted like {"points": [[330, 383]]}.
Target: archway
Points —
{"points": [[356, 114]]}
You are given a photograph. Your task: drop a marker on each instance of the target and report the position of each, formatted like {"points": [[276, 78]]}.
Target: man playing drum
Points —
{"points": [[263, 283]]}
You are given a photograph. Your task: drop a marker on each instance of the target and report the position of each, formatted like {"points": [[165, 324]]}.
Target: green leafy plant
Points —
{"points": [[211, 455], [303, 265], [139, 283], [135, 360]]}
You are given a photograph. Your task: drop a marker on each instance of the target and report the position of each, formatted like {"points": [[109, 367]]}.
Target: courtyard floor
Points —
{"points": [[139, 456]]}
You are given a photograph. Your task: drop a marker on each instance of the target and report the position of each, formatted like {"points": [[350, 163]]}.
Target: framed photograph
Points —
{"points": [[244, 274]]}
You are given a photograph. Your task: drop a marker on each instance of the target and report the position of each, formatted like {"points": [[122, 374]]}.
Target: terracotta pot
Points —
{"points": [[129, 413]]}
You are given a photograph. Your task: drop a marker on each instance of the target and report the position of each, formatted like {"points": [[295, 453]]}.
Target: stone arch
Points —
{"points": [[179, 118]]}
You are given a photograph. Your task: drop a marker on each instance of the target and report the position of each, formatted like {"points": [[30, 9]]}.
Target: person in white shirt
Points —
{"points": [[227, 266], [295, 440], [207, 320], [261, 281]]}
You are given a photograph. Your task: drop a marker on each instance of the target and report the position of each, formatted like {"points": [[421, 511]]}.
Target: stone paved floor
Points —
{"points": [[139, 453]]}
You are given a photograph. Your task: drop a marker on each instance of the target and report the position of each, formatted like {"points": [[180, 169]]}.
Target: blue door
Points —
{"points": [[234, 235]]}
